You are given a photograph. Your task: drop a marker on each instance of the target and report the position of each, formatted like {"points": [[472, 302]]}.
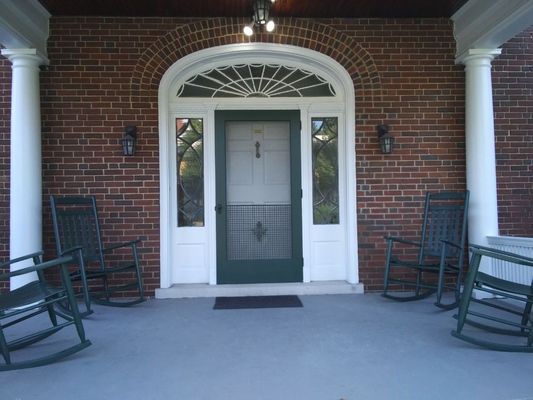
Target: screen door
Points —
{"points": [[258, 197]]}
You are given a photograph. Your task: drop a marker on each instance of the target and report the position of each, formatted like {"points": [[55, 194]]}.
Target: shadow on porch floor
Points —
{"points": [[336, 347]]}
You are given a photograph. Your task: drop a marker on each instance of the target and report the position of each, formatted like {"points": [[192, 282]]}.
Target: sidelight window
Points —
{"points": [[325, 170], [190, 175]]}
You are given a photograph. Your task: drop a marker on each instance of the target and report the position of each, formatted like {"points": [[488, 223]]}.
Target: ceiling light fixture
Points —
{"points": [[260, 17]]}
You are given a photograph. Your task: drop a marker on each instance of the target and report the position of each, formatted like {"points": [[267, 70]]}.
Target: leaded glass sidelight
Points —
{"points": [[325, 170], [190, 171]]}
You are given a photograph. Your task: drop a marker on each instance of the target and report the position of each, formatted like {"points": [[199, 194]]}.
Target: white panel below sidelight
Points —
{"points": [[190, 264], [327, 261]]}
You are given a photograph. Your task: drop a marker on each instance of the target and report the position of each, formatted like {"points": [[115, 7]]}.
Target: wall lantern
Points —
{"points": [[386, 140], [260, 17], [129, 140]]}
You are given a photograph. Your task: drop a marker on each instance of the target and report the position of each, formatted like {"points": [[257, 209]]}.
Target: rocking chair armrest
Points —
{"points": [[71, 250], [502, 255], [404, 241], [22, 258], [38, 267], [131, 243]]}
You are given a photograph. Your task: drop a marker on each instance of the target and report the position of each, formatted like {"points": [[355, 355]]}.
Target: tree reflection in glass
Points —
{"points": [[325, 170], [190, 160]]}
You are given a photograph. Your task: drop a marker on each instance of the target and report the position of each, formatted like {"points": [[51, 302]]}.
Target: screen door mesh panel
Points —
{"points": [[258, 232]]}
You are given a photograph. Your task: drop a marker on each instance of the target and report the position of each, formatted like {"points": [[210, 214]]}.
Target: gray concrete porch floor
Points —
{"points": [[336, 347]]}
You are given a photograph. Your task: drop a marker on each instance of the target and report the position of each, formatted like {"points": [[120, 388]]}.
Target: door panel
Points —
{"points": [[257, 165], [258, 196]]}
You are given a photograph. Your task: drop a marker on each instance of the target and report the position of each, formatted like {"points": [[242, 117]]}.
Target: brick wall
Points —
{"points": [[513, 114], [104, 74], [422, 101]]}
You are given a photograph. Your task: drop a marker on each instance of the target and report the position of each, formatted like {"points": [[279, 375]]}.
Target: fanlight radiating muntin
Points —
{"points": [[256, 80]]}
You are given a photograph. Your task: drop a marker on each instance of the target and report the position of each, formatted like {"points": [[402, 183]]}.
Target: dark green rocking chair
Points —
{"points": [[503, 319], [105, 273], [29, 301], [433, 262]]}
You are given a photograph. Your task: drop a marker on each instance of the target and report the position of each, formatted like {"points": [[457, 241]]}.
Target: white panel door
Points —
{"points": [[258, 162]]}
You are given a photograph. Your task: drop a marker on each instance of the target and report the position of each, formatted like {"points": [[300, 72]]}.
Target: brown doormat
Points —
{"points": [[232, 303]]}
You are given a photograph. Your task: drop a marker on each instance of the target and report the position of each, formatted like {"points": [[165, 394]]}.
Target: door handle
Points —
{"points": [[218, 208]]}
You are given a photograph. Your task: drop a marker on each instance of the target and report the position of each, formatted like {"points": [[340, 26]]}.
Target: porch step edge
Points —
{"points": [[259, 289]]}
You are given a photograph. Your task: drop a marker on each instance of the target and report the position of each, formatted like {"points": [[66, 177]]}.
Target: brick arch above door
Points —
{"points": [[190, 38]]}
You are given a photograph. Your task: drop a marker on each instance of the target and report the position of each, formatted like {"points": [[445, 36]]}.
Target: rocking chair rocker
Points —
{"points": [[29, 301], [439, 251], [76, 224], [500, 317]]}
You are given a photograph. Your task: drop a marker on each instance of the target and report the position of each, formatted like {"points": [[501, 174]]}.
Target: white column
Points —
{"points": [[480, 149], [25, 178]]}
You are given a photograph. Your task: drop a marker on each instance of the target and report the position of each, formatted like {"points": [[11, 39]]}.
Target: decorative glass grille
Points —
{"points": [[190, 171], [258, 232], [256, 80], [325, 171]]}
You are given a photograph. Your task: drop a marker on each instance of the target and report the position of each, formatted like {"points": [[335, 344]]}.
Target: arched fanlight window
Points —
{"points": [[256, 80]]}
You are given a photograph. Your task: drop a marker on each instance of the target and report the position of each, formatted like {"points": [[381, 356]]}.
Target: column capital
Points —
{"points": [[24, 56], [478, 55]]}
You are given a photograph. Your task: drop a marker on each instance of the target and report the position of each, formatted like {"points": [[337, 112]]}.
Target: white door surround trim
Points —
{"points": [[341, 106]]}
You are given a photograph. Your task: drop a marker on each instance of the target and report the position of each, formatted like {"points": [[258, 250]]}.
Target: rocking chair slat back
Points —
{"points": [[76, 225], [444, 219], [440, 250]]}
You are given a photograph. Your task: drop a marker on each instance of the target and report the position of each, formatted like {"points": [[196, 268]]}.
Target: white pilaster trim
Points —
{"points": [[489, 23], [24, 24]]}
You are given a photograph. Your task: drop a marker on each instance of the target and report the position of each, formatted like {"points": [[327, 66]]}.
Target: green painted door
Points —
{"points": [[258, 190]]}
